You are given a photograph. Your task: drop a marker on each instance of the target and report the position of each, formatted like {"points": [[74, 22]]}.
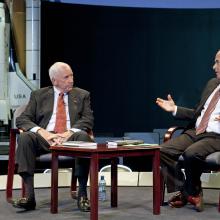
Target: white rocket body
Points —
{"points": [[21, 86], [4, 54], [15, 88], [33, 41]]}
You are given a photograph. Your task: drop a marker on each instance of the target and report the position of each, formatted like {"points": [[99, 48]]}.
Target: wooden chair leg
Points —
{"points": [[11, 164], [11, 167], [9, 185]]}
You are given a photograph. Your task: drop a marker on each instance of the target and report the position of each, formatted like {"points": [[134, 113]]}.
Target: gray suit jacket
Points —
{"points": [[40, 108], [193, 114]]}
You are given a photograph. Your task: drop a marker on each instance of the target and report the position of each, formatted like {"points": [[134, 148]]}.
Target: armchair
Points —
{"points": [[42, 162], [212, 160]]}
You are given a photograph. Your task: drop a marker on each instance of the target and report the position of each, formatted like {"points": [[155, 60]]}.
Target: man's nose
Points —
{"points": [[70, 80]]}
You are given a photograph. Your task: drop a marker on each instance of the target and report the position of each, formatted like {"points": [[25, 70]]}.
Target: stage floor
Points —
{"points": [[135, 203]]}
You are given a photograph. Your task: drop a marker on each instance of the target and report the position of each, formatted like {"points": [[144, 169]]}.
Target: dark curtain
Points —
{"points": [[127, 57]]}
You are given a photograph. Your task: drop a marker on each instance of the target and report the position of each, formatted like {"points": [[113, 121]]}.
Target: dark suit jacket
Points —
{"points": [[193, 114], [40, 108]]}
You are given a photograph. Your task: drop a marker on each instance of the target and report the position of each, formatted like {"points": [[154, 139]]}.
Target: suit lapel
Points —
{"points": [[72, 102], [206, 94], [50, 100], [48, 106]]}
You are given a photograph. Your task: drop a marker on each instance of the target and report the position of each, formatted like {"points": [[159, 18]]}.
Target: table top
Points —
{"points": [[101, 148]]}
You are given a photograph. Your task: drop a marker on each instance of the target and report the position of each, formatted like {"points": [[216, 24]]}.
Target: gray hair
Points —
{"points": [[56, 67]]}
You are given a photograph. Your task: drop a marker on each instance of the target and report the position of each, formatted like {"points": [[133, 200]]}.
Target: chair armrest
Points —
{"points": [[170, 132], [13, 133]]}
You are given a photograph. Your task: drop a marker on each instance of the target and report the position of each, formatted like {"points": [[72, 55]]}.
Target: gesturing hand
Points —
{"points": [[168, 105]]}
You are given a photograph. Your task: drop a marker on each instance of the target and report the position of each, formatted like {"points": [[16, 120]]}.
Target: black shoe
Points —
{"points": [[24, 203], [178, 200], [83, 204]]}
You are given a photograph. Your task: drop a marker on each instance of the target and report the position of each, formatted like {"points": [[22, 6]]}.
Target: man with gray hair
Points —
{"points": [[53, 115]]}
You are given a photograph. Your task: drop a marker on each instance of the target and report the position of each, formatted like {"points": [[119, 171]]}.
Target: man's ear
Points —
{"points": [[53, 80]]}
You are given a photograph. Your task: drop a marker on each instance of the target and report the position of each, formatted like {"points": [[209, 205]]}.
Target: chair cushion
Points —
{"points": [[45, 161], [212, 161], [48, 158]]}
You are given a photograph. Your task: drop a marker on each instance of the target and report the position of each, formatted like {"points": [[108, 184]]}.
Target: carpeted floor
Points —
{"points": [[135, 203]]}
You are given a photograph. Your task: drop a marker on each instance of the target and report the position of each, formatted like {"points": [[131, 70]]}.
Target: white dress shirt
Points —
{"points": [[51, 124], [213, 124]]}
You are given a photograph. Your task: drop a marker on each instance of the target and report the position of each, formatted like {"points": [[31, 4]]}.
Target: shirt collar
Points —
{"points": [[57, 91]]}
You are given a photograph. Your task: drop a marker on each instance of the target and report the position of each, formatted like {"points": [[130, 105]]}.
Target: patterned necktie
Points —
{"points": [[205, 119], [60, 124]]}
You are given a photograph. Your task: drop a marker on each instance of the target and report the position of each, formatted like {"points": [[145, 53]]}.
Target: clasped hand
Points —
{"points": [[55, 139]]}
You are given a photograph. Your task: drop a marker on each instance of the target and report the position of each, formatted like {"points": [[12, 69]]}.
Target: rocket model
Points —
{"points": [[4, 54], [33, 41], [19, 54]]}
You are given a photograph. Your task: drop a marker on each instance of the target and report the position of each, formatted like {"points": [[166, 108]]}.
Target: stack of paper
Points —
{"points": [[80, 144], [124, 142]]}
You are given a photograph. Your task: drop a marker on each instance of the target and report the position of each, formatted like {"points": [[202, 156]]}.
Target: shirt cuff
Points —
{"points": [[35, 129], [174, 113], [75, 130]]}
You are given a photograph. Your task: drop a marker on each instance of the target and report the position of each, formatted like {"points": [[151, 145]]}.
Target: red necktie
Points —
{"points": [[60, 124], [205, 119]]}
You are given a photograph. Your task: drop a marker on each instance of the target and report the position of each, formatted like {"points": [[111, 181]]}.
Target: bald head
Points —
{"points": [[61, 76], [58, 67]]}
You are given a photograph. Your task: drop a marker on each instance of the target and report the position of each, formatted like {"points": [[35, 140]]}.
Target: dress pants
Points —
{"points": [[194, 149], [31, 145]]}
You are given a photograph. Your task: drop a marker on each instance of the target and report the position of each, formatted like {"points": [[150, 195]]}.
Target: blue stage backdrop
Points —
{"points": [[148, 3]]}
